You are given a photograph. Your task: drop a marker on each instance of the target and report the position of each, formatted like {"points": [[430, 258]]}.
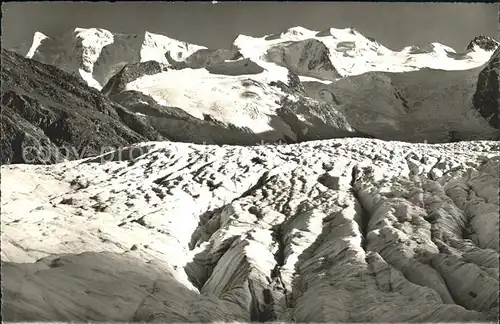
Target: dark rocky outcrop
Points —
{"points": [[486, 99], [45, 107], [129, 73], [22, 142], [125, 49], [272, 37], [458, 56], [240, 67]]}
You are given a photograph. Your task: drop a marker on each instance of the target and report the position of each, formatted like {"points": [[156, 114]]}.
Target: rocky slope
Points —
{"points": [[245, 108], [346, 230], [44, 108]]}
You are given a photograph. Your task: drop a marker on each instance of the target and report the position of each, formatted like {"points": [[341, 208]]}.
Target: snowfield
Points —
{"points": [[351, 53], [346, 230]]}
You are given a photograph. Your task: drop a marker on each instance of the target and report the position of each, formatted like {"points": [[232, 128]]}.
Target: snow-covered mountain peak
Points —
{"points": [[92, 34], [38, 38], [96, 54], [484, 43]]}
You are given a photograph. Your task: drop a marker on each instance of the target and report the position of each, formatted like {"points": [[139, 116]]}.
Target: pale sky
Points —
{"points": [[393, 24]]}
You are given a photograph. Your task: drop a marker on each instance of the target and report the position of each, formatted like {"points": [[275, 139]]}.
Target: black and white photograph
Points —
{"points": [[250, 161]]}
